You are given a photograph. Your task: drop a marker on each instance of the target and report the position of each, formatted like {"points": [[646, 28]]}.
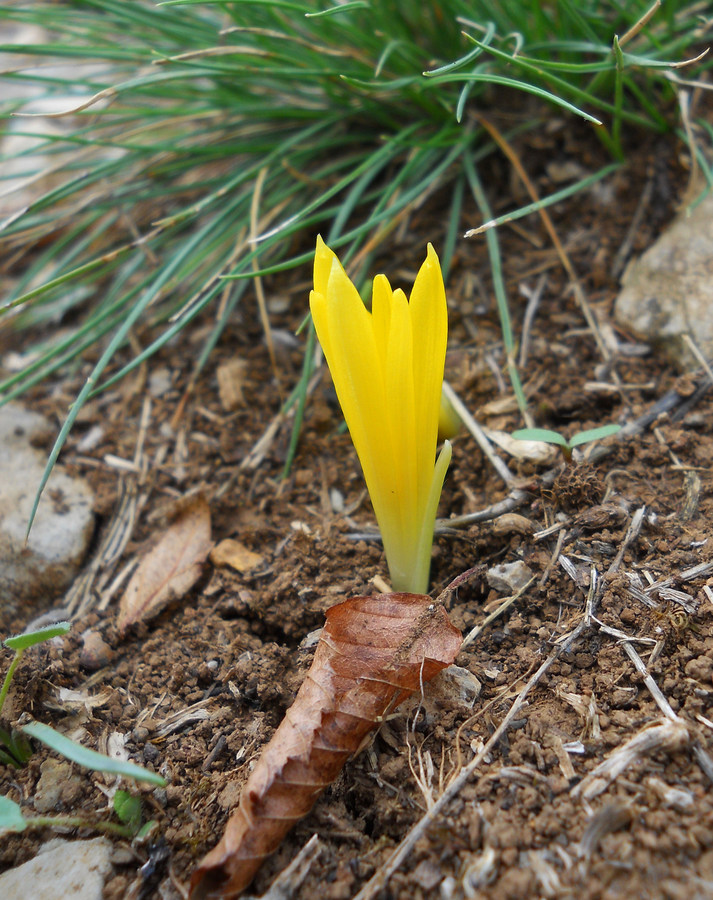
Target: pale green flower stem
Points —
{"points": [[415, 579]]}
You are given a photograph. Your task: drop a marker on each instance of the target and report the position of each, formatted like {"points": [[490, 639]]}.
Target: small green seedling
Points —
{"points": [[129, 810], [566, 446], [15, 750]]}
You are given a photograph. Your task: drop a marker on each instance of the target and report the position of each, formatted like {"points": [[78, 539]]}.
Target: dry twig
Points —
{"points": [[133, 494]]}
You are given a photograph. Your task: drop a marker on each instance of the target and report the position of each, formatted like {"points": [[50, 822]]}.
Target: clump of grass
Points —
{"points": [[210, 141]]}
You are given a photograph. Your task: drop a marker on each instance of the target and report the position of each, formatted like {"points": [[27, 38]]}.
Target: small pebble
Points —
{"points": [[628, 616], [95, 652], [151, 753], [159, 382], [512, 523], [174, 793], [57, 785], [76, 869]]}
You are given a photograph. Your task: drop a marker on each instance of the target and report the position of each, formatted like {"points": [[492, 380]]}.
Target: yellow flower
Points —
{"points": [[387, 368]]}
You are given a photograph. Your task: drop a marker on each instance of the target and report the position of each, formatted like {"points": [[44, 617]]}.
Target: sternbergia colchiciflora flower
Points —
{"points": [[387, 367]]}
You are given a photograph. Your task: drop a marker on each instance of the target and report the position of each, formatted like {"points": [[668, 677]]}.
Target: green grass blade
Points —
{"points": [[581, 185], [300, 399], [89, 759]]}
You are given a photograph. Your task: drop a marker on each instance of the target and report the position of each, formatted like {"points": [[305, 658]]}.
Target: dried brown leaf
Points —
{"points": [[171, 567], [373, 653]]}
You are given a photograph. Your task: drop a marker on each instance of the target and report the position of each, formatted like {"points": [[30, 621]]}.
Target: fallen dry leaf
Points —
{"points": [[171, 567], [373, 653], [236, 555]]}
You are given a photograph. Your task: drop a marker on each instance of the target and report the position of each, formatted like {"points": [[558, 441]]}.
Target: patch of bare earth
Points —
{"points": [[598, 784]]}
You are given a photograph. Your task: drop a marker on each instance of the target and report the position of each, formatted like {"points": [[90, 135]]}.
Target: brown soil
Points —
{"points": [[230, 655]]}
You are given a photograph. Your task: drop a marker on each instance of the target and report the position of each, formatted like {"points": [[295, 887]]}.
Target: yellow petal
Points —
{"points": [[397, 505], [355, 364], [381, 312], [429, 317], [323, 261], [399, 386]]}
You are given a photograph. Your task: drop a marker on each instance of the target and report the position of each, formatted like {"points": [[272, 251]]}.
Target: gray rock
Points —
{"points": [[37, 571], [508, 578], [75, 869], [668, 292], [57, 785]]}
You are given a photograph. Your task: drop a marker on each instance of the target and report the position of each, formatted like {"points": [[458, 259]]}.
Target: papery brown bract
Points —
{"points": [[372, 654]]}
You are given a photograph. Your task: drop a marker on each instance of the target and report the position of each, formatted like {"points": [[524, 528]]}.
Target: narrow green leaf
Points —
{"points": [[146, 830], [496, 268], [301, 400], [593, 434], [618, 98], [540, 434], [544, 202], [469, 57], [17, 750], [90, 759], [332, 10], [535, 90], [7, 759], [30, 638]]}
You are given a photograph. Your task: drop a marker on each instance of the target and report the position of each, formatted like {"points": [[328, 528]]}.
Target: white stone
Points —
{"points": [[668, 292], [39, 570], [75, 869], [509, 578]]}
